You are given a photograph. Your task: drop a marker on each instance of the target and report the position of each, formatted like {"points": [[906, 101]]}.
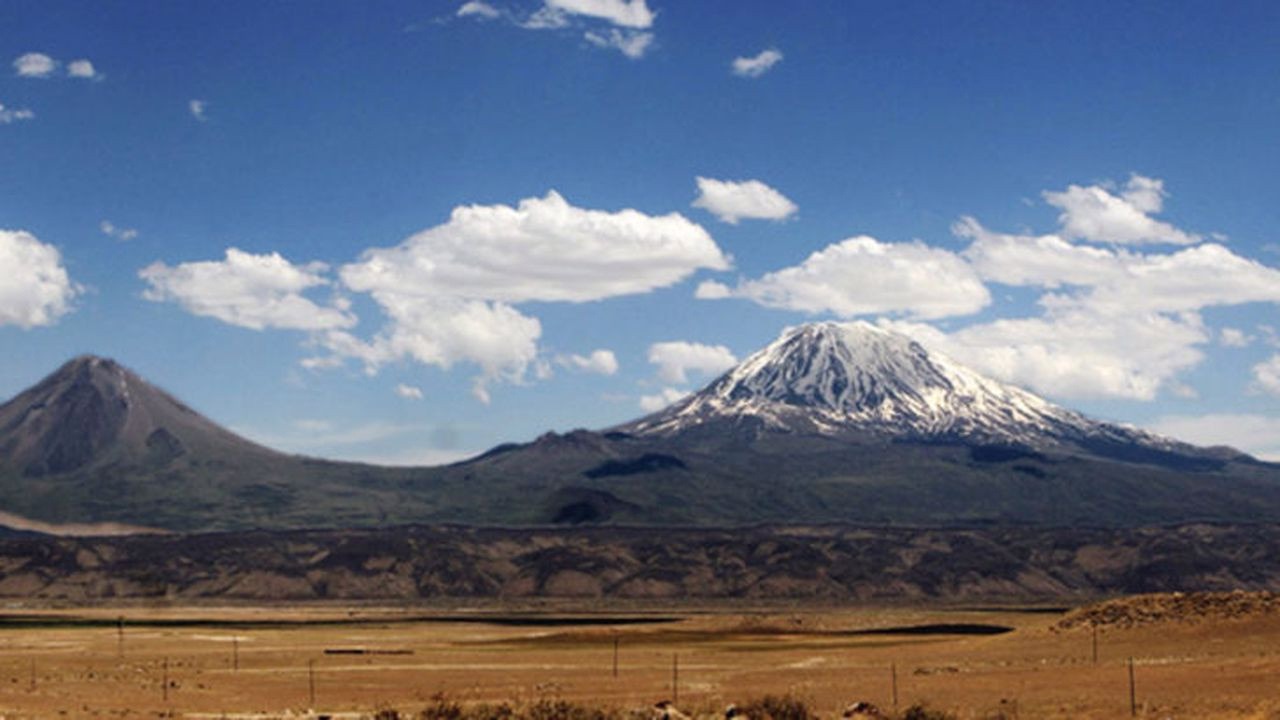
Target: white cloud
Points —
{"points": [[1096, 214], [82, 69], [197, 109], [1077, 352], [409, 392], [322, 362], [660, 400], [478, 9], [110, 229], [546, 18], [448, 290], [863, 276], [8, 115], [1115, 322], [623, 13], [1190, 279], [247, 290], [544, 249], [600, 362], [1235, 337], [1203, 276], [732, 200], [677, 359], [35, 65], [754, 67], [1266, 375], [1044, 260], [632, 44], [35, 289], [1258, 435], [712, 290], [444, 331], [621, 25]]}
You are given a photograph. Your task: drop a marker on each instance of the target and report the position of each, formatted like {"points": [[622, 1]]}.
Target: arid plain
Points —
{"points": [[352, 661]]}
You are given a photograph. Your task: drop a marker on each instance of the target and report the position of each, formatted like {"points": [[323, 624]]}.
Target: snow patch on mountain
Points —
{"points": [[858, 379]]}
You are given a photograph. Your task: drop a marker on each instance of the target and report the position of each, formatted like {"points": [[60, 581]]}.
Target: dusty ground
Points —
{"points": [[53, 667]]}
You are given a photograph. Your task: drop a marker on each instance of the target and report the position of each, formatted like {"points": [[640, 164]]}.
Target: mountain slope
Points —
{"points": [[859, 381], [852, 423], [93, 442], [92, 412], [833, 423]]}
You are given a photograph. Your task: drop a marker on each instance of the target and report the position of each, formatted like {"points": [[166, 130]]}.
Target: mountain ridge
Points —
{"points": [[831, 423], [857, 380]]}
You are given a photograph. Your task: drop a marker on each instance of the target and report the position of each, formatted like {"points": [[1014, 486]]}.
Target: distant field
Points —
{"points": [[975, 663]]}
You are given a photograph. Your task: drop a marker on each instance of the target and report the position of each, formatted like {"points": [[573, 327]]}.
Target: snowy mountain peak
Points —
{"points": [[858, 379]]}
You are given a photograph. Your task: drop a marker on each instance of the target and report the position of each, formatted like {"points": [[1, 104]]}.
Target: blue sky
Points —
{"points": [[456, 224]]}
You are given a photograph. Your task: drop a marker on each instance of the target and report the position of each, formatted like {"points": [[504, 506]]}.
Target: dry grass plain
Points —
{"points": [[73, 663]]}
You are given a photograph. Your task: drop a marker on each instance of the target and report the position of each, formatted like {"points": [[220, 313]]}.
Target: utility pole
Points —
{"points": [[675, 678], [615, 656], [893, 673], [1133, 696], [235, 653], [164, 684], [120, 636], [1095, 644]]}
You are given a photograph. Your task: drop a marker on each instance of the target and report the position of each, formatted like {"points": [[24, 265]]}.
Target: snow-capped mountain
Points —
{"points": [[857, 379]]}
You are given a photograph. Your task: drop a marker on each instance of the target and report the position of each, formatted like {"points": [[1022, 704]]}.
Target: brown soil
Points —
{"points": [[271, 662], [1163, 608]]}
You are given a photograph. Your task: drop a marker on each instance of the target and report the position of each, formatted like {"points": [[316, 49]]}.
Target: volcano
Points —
{"points": [[831, 423], [850, 422], [95, 443]]}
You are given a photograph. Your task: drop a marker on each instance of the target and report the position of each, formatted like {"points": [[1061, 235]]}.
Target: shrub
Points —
{"points": [[441, 708], [565, 710], [777, 707], [922, 712]]}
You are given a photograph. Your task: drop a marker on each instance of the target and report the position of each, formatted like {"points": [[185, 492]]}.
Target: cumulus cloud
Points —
{"points": [[247, 290], [753, 67], [661, 399], [111, 230], [35, 289], [544, 249], [35, 65], [1235, 337], [1113, 322], [1190, 279], [632, 44], [863, 276], [444, 331], [448, 291], [1030, 260], [712, 290], [1266, 375], [1258, 435], [1077, 352], [197, 109], [12, 115], [1097, 214], [623, 13], [677, 359], [622, 25], [600, 362], [409, 392], [478, 9], [82, 69], [732, 201]]}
